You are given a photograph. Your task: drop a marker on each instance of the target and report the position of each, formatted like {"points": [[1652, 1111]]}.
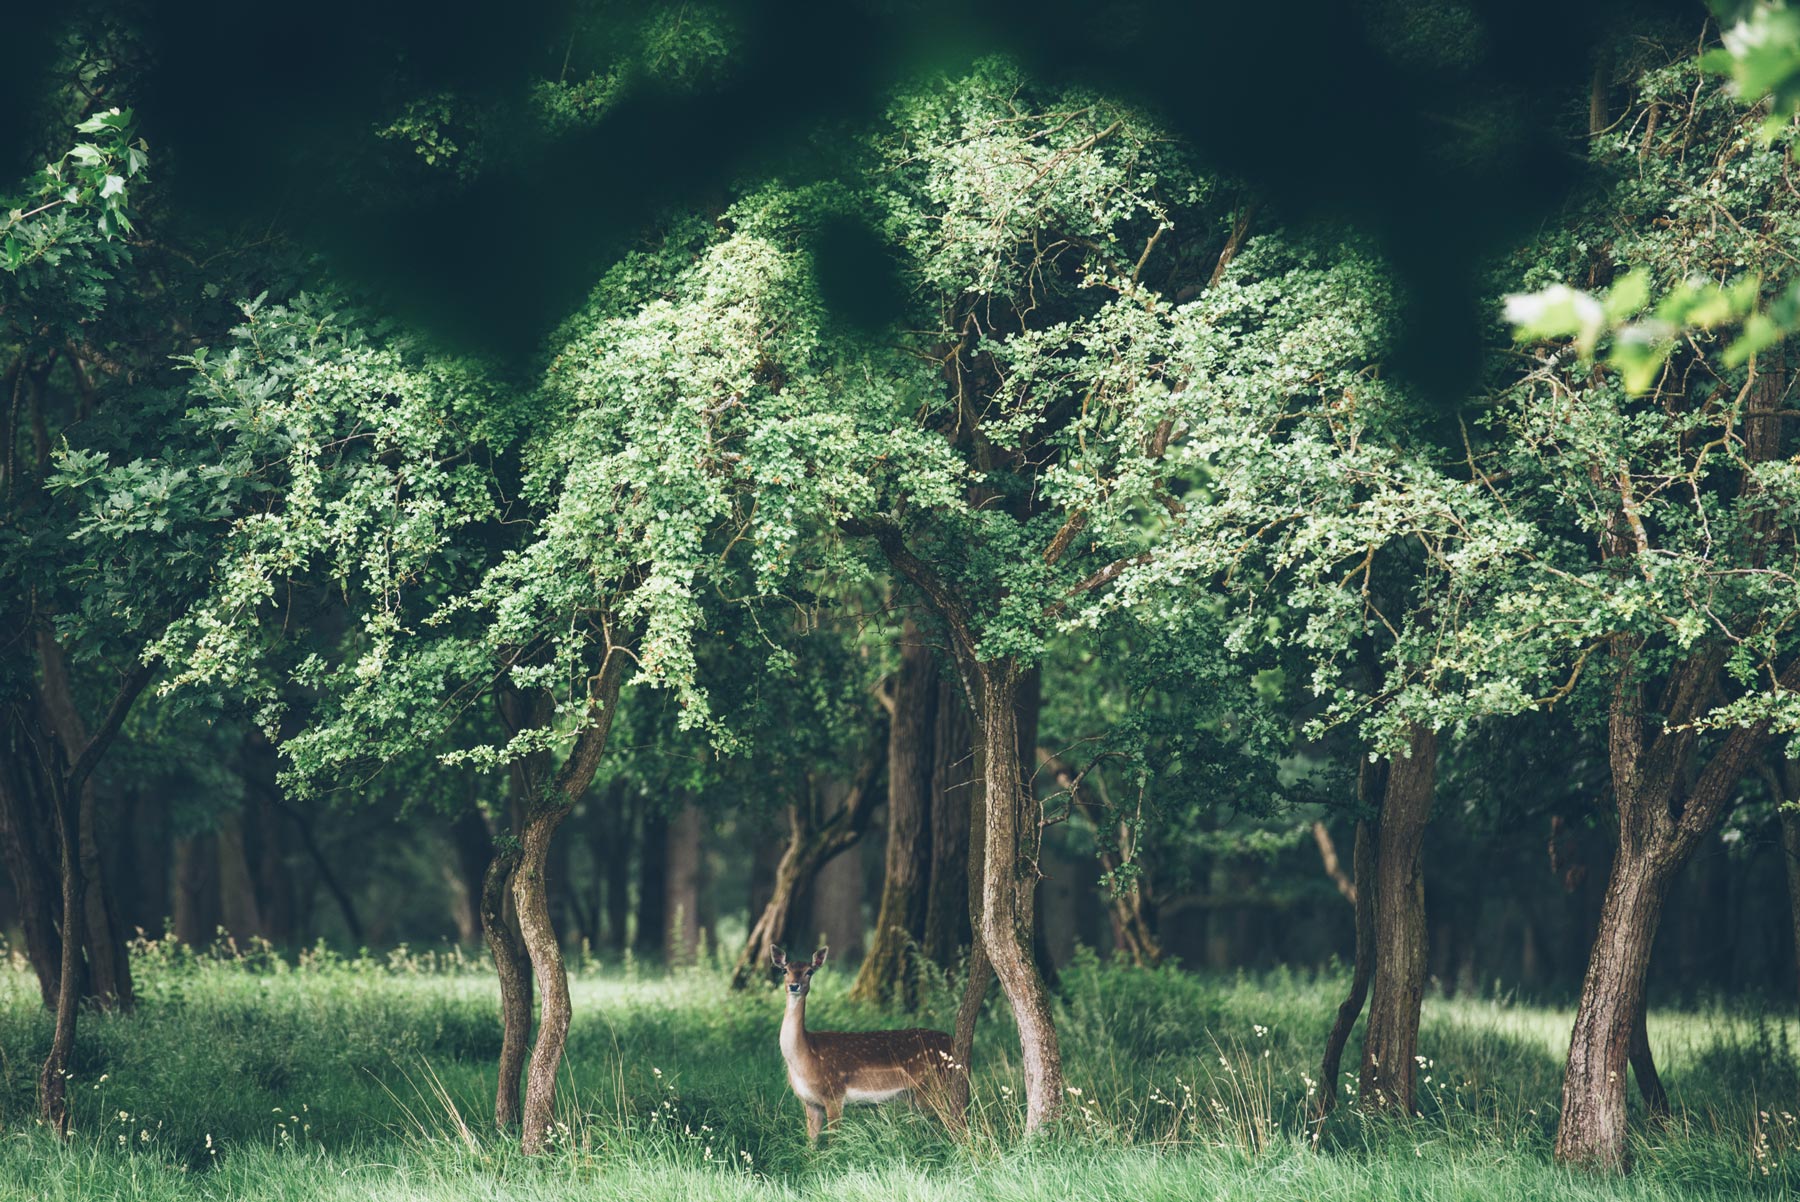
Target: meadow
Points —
{"points": [[371, 1078]]}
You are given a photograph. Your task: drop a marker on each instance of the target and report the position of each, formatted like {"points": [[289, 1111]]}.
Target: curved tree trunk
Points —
{"points": [[514, 970], [962, 1041], [544, 811], [800, 863], [532, 899], [1363, 870], [1009, 881], [948, 927], [900, 922], [1391, 1040], [1592, 1131], [108, 960], [811, 844]]}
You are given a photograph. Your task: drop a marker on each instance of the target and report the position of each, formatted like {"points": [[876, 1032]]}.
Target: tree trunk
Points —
{"points": [[900, 921], [472, 844], [1656, 838], [545, 810], [196, 889], [653, 882], [838, 893], [812, 843], [948, 928], [513, 968], [108, 962], [28, 846], [1391, 1040], [682, 907], [616, 858], [1030, 705], [53, 1082], [237, 889], [1609, 1021], [980, 980], [798, 866], [1009, 884], [1370, 783], [533, 903]]}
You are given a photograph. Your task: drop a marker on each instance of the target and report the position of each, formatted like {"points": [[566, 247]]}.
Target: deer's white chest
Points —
{"points": [[796, 1053], [871, 1097]]}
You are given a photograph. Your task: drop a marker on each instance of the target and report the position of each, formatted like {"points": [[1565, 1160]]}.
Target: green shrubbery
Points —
{"points": [[251, 1076]]}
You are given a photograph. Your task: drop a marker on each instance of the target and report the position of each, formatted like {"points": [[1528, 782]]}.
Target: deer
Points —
{"points": [[829, 1068]]}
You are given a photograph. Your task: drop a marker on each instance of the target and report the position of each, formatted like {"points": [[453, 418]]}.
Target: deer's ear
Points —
{"points": [[780, 958], [819, 957]]}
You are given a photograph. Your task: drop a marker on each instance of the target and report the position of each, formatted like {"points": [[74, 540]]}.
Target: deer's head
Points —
{"points": [[797, 974]]}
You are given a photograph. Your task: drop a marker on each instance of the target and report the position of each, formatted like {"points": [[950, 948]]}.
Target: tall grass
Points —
{"points": [[247, 1076]]}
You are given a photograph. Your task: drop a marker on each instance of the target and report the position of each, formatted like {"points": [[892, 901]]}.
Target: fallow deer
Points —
{"points": [[830, 1068]]}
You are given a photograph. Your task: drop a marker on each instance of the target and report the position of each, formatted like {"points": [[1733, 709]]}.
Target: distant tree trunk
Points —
{"points": [[472, 847], [682, 907], [1128, 909], [1391, 1039], [838, 892], [948, 928], [653, 879], [237, 889], [813, 839], [28, 844], [900, 921], [616, 859], [265, 824], [766, 849], [196, 889]]}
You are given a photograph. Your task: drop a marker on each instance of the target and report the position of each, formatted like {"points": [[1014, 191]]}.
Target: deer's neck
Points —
{"points": [[794, 1044]]}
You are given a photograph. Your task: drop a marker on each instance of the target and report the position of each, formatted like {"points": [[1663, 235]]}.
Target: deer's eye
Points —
{"points": [[809, 972]]}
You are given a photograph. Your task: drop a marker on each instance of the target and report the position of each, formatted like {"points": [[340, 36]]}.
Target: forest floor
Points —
{"points": [[371, 1078]]}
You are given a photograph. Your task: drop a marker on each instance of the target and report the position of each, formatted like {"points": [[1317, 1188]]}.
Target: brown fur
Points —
{"points": [[829, 1068]]}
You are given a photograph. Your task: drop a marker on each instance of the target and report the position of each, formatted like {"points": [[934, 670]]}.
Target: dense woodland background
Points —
{"points": [[645, 484]]}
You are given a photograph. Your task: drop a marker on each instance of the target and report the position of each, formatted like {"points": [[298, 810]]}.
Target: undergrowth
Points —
{"points": [[250, 1076]]}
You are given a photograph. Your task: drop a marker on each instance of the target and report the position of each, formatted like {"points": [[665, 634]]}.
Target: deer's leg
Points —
{"points": [[815, 1121], [834, 1110]]}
